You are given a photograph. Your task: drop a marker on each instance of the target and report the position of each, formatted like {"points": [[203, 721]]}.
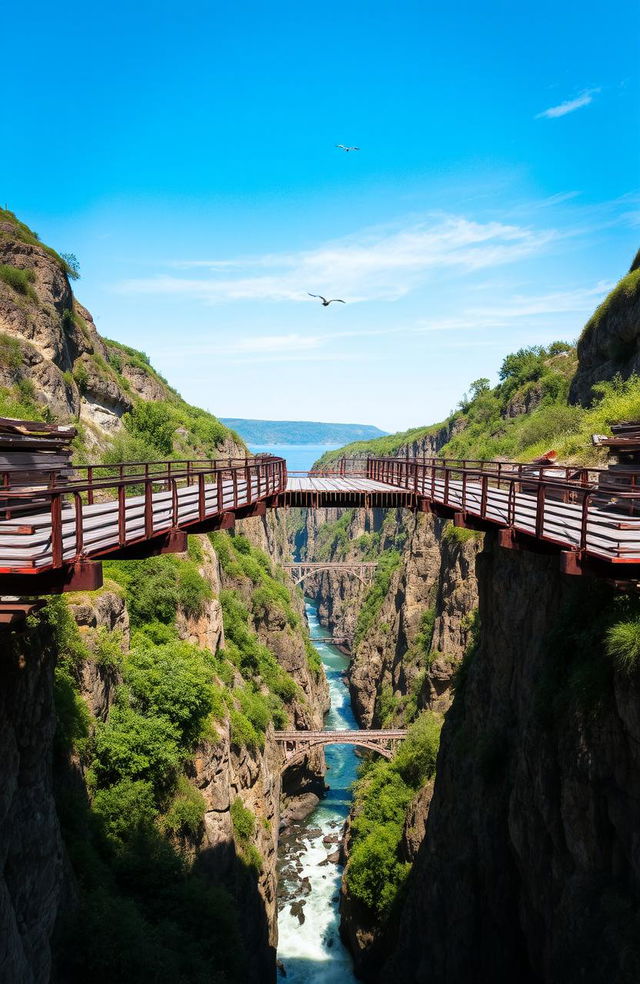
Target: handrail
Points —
{"points": [[575, 487], [217, 488]]}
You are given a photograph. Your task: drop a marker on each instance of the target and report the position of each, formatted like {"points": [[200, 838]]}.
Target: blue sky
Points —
{"points": [[187, 156]]}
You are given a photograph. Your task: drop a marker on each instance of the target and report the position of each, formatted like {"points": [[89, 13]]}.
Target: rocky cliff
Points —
{"points": [[609, 344], [139, 781], [408, 630], [54, 365], [529, 868]]}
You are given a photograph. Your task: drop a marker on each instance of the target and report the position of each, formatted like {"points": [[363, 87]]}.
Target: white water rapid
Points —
{"points": [[309, 947]]}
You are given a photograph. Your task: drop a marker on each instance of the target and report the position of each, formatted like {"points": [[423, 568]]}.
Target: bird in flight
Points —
{"points": [[347, 149], [325, 302]]}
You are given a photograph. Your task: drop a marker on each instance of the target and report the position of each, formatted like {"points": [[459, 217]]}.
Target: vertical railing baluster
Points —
{"points": [[56, 530], [122, 527], [148, 507]]}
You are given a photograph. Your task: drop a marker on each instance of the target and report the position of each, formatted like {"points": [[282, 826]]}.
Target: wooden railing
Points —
{"points": [[604, 500], [100, 511]]}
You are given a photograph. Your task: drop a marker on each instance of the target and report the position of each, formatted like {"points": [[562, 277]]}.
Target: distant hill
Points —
{"points": [[300, 431]]}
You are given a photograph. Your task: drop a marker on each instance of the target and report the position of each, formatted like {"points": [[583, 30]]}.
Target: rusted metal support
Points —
{"points": [[175, 541], [84, 575], [571, 562]]}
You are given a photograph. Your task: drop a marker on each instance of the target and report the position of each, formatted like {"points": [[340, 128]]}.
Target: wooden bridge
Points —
{"points": [[51, 537], [296, 744], [301, 570]]}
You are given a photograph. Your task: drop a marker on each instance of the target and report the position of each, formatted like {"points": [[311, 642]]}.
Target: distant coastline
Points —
{"points": [[300, 431]]}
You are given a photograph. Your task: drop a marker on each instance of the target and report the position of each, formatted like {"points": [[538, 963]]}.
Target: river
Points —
{"points": [[311, 951]]}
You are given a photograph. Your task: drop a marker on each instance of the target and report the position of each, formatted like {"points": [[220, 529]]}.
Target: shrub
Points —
{"points": [[71, 265], [10, 352], [458, 534], [623, 644], [81, 376], [387, 565], [107, 648], [73, 721], [131, 746], [154, 423], [186, 811], [242, 732], [243, 820], [193, 590], [172, 682], [125, 808], [19, 280], [375, 872]]}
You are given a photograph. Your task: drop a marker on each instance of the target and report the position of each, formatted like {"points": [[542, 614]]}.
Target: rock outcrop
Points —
{"points": [[530, 870], [31, 852], [610, 342]]}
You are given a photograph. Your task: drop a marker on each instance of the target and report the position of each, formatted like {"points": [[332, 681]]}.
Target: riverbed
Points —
{"points": [[309, 941]]}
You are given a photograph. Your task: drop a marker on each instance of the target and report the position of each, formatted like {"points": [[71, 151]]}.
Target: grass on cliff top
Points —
{"points": [[24, 234], [166, 428], [626, 292], [376, 871], [487, 432]]}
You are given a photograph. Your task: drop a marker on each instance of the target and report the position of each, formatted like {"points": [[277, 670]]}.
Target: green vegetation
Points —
{"points": [[597, 633], [332, 540], [24, 234], [10, 352], [388, 445], [388, 564], [157, 587], [623, 294], [244, 826], [527, 413], [269, 596], [458, 534], [137, 889], [623, 644], [20, 280], [376, 870]]}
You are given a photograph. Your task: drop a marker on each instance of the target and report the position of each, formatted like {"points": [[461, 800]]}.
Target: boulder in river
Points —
{"points": [[297, 910]]}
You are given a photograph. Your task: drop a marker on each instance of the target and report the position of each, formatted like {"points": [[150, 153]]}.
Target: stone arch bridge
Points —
{"points": [[296, 744], [363, 570]]}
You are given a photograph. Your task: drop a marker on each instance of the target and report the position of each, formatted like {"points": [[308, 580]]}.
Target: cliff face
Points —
{"points": [[79, 847], [53, 362], [405, 656], [530, 868], [31, 856], [609, 344]]}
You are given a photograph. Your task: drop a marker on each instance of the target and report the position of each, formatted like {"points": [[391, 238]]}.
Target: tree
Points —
{"points": [[72, 265]]}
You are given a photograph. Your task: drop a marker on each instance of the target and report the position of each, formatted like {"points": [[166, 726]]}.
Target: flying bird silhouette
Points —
{"points": [[325, 302], [347, 149]]}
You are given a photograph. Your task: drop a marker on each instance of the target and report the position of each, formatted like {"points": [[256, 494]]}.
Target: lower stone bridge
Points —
{"points": [[296, 744], [363, 570]]}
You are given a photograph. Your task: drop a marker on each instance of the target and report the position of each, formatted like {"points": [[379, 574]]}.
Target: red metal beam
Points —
{"points": [[84, 575]]}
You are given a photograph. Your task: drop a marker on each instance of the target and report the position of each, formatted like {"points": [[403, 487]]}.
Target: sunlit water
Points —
{"points": [[312, 953], [300, 457]]}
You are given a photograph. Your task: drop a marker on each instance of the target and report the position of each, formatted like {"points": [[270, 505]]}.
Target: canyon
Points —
{"points": [[141, 789]]}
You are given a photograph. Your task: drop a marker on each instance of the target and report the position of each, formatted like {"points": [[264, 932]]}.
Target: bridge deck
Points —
{"points": [[577, 513]]}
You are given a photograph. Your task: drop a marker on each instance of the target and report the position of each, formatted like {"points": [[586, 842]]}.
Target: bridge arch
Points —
{"points": [[297, 756], [330, 567], [296, 744]]}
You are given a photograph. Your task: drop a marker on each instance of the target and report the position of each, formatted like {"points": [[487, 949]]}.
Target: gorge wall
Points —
{"points": [[139, 781], [523, 851], [529, 867]]}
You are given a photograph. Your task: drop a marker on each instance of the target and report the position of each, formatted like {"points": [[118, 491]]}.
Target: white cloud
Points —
{"points": [[569, 106], [383, 263]]}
